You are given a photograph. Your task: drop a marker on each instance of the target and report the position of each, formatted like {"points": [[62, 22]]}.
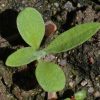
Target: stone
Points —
{"points": [[84, 82], [90, 90], [63, 62], [68, 6]]}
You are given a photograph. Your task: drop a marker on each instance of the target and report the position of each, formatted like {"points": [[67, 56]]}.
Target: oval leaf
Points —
{"points": [[73, 37], [23, 56], [50, 76], [31, 26]]}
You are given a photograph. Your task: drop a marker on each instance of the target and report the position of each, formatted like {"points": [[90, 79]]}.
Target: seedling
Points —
{"points": [[32, 28], [80, 95]]}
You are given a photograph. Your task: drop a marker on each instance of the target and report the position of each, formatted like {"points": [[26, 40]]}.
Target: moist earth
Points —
{"points": [[81, 65]]}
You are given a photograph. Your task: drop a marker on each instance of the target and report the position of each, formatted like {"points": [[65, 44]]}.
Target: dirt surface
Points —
{"points": [[80, 65]]}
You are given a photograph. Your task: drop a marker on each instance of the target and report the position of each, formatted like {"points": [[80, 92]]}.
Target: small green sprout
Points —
{"points": [[80, 95], [32, 28], [67, 99]]}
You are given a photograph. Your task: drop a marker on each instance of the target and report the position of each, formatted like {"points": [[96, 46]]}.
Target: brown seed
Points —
{"points": [[50, 28]]}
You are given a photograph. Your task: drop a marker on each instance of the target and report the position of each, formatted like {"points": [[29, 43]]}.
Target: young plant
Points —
{"points": [[80, 95], [32, 28]]}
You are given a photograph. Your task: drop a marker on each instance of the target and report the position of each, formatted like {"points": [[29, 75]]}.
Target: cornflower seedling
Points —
{"points": [[80, 95], [32, 28]]}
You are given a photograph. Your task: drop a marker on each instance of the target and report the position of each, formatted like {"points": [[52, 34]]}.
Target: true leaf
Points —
{"points": [[23, 56], [73, 37], [31, 26], [50, 76]]}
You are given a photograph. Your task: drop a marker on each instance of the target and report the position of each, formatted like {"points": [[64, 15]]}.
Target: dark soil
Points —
{"points": [[81, 65]]}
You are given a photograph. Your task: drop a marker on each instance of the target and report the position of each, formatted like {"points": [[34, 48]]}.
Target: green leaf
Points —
{"points": [[24, 56], [31, 26], [68, 99], [73, 37], [50, 76], [81, 95]]}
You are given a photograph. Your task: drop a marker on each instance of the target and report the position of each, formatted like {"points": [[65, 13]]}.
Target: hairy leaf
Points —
{"points": [[23, 56], [50, 77], [73, 37], [31, 26]]}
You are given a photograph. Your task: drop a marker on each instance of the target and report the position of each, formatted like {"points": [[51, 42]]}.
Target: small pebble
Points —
{"points": [[58, 60], [91, 90], [59, 18], [72, 84], [97, 78], [65, 55], [3, 5], [79, 5], [97, 94], [63, 62], [56, 4], [68, 6], [98, 84], [84, 82], [50, 58]]}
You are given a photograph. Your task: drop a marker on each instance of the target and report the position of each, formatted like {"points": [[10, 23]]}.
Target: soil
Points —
{"points": [[80, 65]]}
